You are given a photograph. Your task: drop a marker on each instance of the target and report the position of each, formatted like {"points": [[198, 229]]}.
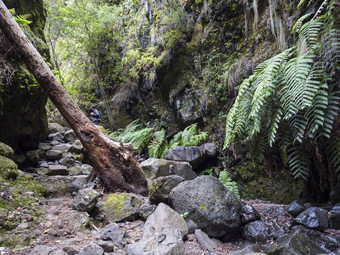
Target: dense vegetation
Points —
{"points": [[174, 63]]}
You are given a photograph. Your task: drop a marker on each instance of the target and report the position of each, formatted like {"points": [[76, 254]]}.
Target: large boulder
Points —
{"points": [[163, 234], [123, 206], [334, 217], [8, 169], [154, 168], [162, 186], [192, 154], [209, 204], [313, 218], [85, 200]]}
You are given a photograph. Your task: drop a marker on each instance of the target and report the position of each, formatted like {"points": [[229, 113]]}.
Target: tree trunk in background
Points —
{"points": [[114, 163]]}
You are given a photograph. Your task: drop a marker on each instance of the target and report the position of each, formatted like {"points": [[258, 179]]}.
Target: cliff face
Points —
{"points": [[22, 102], [200, 56]]}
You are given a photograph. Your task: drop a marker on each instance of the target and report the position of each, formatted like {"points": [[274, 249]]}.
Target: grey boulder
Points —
{"points": [[163, 234], [115, 234], [154, 168], [209, 204], [162, 186], [85, 200], [191, 154]]}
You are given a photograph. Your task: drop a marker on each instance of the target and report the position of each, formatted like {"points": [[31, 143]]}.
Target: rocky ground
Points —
{"points": [[76, 217], [63, 227]]}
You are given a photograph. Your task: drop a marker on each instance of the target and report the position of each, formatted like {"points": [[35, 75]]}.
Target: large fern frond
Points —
{"points": [[159, 145]]}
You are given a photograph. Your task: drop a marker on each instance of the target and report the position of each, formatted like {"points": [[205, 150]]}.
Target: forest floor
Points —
{"points": [[59, 227]]}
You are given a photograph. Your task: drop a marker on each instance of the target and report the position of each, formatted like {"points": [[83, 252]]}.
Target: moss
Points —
{"points": [[122, 206], [15, 240], [5, 150], [8, 169], [256, 184], [196, 37]]}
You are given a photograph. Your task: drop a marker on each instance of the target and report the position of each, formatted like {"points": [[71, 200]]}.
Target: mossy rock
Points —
{"points": [[256, 184], [8, 169], [6, 150], [123, 206], [15, 240]]}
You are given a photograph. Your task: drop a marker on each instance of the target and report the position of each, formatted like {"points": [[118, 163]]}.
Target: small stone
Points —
{"points": [[92, 249], [108, 246], [57, 170], [85, 200], [115, 234], [192, 226], [70, 136], [204, 240], [146, 210], [295, 208], [53, 154], [22, 226], [334, 217]]}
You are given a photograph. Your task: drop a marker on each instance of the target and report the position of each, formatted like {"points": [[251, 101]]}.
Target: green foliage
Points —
{"points": [[22, 20], [188, 137], [159, 145], [292, 98], [229, 183], [157, 142], [134, 134]]}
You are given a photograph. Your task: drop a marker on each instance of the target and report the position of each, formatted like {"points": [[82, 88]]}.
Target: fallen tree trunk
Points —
{"points": [[114, 163]]}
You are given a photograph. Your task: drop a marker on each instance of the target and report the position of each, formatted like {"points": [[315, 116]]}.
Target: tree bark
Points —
{"points": [[114, 163]]}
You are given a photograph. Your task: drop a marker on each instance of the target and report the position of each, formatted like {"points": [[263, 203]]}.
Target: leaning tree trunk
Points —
{"points": [[114, 163]]}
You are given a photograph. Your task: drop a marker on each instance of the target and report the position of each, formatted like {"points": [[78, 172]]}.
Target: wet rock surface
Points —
{"points": [[76, 218]]}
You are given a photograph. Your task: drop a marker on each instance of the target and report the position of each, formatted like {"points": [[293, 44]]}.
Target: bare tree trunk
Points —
{"points": [[114, 163]]}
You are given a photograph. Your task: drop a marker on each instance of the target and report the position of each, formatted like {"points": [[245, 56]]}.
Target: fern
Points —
{"points": [[229, 184], [22, 20], [159, 145], [134, 134], [293, 96], [334, 155], [188, 137]]}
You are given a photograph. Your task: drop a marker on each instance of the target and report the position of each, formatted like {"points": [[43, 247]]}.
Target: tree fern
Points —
{"points": [[293, 96]]}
